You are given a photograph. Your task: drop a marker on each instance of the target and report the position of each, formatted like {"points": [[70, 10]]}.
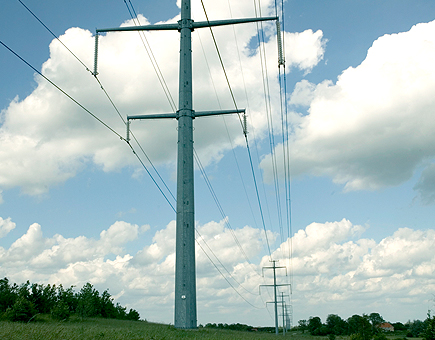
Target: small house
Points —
{"points": [[386, 326]]}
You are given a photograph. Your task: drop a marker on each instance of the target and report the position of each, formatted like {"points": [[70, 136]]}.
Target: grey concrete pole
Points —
{"points": [[185, 277], [185, 271]]}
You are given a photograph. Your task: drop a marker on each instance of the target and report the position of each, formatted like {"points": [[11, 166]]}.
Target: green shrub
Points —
{"points": [[22, 310], [429, 334], [133, 315], [380, 336], [331, 336], [60, 311]]}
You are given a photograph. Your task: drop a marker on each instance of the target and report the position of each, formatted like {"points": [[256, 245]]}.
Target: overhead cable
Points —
{"points": [[153, 59], [108, 97], [88, 111], [246, 136]]}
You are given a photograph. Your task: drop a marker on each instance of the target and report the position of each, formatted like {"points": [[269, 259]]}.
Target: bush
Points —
{"points": [[380, 336], [133, 315], [61, 311], [429, 334], [23, 310]]}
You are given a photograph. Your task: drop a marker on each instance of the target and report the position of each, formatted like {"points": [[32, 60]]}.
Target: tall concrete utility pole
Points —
{"points": [[185, 277]]}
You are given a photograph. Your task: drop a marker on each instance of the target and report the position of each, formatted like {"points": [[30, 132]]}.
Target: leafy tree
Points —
{"points": [[336, 325], [416, 328], [429, 333], [24, 291], [398, 326], [107, 307], [375, 319], [315, 325], [61, 311], [360, 327], [22, 310], [120, 312], [353, 324], [8, 295], [303, 325], [21, 303], [68, 297], [88, 301], [134, 316], [43, 297]]}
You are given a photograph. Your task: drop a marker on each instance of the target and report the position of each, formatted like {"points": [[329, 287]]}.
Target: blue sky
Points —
{"points": [[360, 101]]}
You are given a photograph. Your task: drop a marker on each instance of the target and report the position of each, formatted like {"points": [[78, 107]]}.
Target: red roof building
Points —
{"points": [[386, 327]]}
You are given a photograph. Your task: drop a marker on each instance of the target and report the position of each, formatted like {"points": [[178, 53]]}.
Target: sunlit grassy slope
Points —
{"points": [[45, 329]]}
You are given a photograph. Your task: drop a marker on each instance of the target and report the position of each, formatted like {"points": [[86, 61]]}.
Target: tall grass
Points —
{"points": [[44, 328], [106, 329]]}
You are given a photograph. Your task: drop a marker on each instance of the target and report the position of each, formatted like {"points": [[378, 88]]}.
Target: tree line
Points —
{"points": [[365, 327], [238, 327], [23, 302]]}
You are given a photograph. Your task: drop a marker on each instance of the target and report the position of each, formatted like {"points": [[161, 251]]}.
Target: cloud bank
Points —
{"points": [[46, 139], [332, 270], [373, 127]]}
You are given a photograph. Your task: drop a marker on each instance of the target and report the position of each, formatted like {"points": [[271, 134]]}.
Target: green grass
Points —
{"points": [[44, 328], [105, 329]]}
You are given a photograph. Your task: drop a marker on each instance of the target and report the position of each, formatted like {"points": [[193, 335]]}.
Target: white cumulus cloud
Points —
{"points": [[373, 127], [46, 139], [332, 270], [6, 226]]}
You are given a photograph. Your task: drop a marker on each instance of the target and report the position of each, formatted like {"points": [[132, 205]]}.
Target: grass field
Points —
{"points": [[43, 328]]}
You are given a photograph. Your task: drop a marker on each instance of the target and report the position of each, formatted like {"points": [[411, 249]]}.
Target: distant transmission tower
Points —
{"points": [[275, 302], [185, 277]]}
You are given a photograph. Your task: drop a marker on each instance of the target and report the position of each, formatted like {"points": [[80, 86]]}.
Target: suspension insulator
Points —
{"points": [[128, 130], [96, 55], [245, 124], [281, 60]]}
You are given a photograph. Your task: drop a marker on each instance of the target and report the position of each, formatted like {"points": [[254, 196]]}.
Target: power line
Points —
{"points": [[228, 133], [247, 100], [153, 60], [54, 35], [66, 94], [248, 109], [88, 111], [222, 63], [285, 138], [266, 90], [122, 138], [221, 210], [245, 134], [112, 103], [222, 273]]}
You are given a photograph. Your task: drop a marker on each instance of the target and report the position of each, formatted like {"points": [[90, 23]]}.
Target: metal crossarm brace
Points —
{"points": [[194, 114]]}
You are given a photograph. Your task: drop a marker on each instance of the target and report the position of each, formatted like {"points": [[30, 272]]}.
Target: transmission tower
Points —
{"points": [[275, 302], [185, 274]]}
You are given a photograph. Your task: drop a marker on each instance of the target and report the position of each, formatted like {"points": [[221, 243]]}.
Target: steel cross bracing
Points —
{"points": [[185, 277]]}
